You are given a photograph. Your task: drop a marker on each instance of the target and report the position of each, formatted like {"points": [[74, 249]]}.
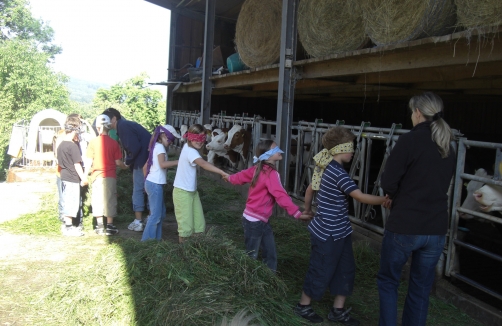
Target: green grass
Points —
{"points": [[118, 281]]}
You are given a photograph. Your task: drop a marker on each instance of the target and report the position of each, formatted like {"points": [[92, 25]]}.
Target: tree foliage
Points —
{"points": [[17, 22], [134, 101]]}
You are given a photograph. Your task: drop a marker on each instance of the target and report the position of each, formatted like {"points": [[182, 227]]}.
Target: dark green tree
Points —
{"points": [[134, 100]]}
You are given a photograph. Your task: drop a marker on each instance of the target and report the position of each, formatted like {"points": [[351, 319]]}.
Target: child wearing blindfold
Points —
{"points": [[187, 205], [265, 190], [155, 171]]}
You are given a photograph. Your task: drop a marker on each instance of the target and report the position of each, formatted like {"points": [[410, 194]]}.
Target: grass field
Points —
{"points": [[92, 280]]}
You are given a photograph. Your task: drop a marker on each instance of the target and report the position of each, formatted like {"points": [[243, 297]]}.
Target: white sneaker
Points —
{"points": [[135, 226], [73, 232]]}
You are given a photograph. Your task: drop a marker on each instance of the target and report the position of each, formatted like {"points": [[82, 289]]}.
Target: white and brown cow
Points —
{"points": [[216, 148], [239, 140]]}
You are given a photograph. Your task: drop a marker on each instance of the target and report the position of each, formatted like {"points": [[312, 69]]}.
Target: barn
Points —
{"points": [[294, 68]]}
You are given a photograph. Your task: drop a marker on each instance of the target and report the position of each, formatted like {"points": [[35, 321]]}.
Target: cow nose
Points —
{"points": [[477, 195], [226, 146]]}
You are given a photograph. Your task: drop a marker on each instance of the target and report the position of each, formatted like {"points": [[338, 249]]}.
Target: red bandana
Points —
{"points": [[195, 137]]}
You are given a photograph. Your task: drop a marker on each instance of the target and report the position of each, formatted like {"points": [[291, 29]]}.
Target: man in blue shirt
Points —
{"points": [[332, 262], [135, 140]]}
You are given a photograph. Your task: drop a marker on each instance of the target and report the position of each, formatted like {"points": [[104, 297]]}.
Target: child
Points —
{"points": [[155, 171], [72, 176], [104, 155], [187, 205], [265, 190], [332, 262]]}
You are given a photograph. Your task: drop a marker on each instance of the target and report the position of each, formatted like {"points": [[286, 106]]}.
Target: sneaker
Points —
{"points": [[111, 229], [342, 317], [135, 226], [73, 232], [308, 313]]}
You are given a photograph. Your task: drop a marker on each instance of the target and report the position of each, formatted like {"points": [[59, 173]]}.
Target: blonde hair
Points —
{"points": [[431, 107]]}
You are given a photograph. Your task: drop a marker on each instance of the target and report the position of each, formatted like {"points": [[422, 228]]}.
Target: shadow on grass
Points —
{"points": [[200, 282]]}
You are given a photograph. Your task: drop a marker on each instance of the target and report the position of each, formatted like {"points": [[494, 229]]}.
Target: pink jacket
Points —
{"points": [[266, 192]]}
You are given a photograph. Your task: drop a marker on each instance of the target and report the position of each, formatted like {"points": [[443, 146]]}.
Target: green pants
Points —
{"points": [[188, 211]]}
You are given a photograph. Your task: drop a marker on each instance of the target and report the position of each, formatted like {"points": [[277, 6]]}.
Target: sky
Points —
{"points": [[108, 41]]}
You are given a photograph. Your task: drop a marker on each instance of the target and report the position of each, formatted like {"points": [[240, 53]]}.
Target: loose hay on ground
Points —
{"points": [[330, 26], [396, 21], [258, 32]]}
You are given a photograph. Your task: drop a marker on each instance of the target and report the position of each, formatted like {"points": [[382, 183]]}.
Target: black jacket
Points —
{"points": [[417, 179]]}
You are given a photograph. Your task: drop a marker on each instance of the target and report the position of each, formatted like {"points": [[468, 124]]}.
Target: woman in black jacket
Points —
{"points": [[416, 178]]}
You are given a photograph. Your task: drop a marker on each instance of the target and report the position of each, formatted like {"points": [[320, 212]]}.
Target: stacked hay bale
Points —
{"points": [[479, 13], [258, 32], [330, 26], [396, 21]]}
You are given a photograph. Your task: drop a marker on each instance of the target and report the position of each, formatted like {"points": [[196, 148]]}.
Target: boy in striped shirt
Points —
{"points": [[332, 262]]}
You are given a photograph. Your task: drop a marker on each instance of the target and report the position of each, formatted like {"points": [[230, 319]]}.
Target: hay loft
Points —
{"points": [[258, 32], [396, 21], [330, 26]]}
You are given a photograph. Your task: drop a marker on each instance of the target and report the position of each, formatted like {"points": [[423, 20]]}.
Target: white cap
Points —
{"points": [[103, 120], [172, 130]]}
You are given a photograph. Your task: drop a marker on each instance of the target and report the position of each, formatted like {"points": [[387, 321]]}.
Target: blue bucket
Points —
{"points": [[235, 64]]}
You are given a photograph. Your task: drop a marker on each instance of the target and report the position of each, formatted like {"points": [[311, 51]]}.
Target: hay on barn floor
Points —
{"points": [[330, 26], [258, 32], [479, 13], [396, 21]]}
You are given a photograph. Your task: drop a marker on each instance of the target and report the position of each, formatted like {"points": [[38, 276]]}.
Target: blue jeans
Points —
{"points": [[425, 251], [138, 199], [153, 228], [259, 235]]}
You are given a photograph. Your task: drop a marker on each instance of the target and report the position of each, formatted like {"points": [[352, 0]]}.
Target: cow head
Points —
{"points": [[489, 198]]}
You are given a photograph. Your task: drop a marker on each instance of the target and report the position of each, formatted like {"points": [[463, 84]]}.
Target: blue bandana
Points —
{"points": [[265, 156]]}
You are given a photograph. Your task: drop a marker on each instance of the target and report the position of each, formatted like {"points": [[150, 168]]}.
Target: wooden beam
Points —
{"points": [[474, 83], [441, 55], [448, 73]]}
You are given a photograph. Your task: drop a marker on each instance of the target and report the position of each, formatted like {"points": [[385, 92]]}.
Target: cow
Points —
{"points": [[482, 197], [216, 148], [239, 140], [183, 131], [489, 198]]}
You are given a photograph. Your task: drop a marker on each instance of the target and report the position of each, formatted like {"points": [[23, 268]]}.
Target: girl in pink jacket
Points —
{"points": [[265, 190]]}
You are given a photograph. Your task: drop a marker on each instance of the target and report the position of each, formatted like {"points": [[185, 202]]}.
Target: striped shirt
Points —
{"points": [[332, 218]]}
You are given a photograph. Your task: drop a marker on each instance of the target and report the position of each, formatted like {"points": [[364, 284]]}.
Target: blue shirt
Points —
{"points": [[332, 216], [135, 140]]}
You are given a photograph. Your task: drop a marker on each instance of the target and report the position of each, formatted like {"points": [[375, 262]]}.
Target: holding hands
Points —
{"points": [[307, 215], [387, 203]]}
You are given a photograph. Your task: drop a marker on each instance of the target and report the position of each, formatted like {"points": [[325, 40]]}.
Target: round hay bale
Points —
{"points": [[396, 21], [258, 32], [330, 26], [479, 13]]}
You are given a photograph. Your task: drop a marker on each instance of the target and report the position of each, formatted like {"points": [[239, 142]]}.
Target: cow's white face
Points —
{"points": [[217, 144], [231, 134], [183, 130], [470, 202], [489, 198]]}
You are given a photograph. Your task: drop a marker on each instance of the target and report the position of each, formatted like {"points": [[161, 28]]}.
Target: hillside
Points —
{"points": [[83, 91]]}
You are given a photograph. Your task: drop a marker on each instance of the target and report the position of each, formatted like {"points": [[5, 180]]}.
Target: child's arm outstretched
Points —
{"points": [[209, 167], [309, 195], [366, 198]]}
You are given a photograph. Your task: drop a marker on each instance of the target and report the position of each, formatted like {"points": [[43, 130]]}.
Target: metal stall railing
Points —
{"points": [[454, 242]]}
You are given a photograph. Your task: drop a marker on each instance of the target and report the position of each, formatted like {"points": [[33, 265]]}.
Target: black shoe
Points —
{"points": [[342, 317], [308, 313], [111, 229]]}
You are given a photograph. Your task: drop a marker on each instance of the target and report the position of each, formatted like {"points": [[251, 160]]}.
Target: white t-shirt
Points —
{"points": [[157, 174], [186, 174]]}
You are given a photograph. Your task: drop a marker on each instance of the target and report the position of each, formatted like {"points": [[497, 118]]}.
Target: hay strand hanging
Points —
{"points": [[479, 13], [396, 21], [330, 26], [258, 32]]}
